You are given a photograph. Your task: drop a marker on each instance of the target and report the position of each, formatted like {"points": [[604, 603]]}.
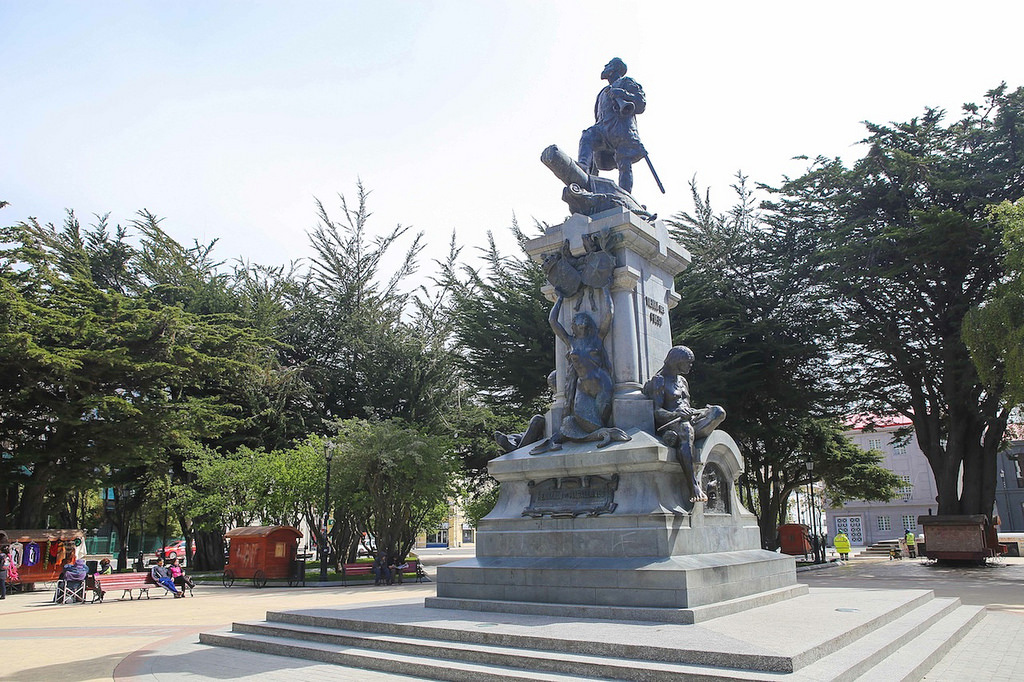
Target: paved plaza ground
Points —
{"points": [[156, 639]]}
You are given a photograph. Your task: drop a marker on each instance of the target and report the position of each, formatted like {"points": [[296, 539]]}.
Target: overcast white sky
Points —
{"points": [[227, 118]]}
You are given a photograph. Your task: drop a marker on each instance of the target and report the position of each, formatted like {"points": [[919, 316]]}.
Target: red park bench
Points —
{"points": [[412, 567], [100, 584]]}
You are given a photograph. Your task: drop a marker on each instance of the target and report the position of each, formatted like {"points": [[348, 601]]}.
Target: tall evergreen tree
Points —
{"points": [[750, 311], [503, 332], [908, 246]]}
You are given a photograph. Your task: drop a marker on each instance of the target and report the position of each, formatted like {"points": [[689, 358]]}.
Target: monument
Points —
{"points": [[629, 501], [618, 547]]}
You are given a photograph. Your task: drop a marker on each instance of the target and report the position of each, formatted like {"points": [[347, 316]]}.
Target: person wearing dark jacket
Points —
{"points": [[162, 577]]}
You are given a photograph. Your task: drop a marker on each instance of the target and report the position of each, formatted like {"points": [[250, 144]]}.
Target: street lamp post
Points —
{"points": [[170, 472], [819, 551], [327, 514]]}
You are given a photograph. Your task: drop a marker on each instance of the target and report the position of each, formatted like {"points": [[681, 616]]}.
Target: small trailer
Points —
{"points": [[260, 553], [960, 537]]}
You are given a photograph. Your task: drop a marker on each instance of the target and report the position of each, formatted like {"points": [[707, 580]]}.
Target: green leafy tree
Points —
{"points": [[505, 350], [347, 325], [994, 330], [396, 474], [751, 313], [908, 247], [481, 503]]}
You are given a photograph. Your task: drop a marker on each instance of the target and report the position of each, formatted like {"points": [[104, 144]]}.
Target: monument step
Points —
{"points": [[577, 636], [829, 634], [439, 655], [804, 630], [914, 660], [863, 654], [381, 661]]}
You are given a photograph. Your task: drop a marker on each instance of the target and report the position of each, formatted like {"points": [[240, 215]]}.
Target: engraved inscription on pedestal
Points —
{"points": [[716, 487], [572, 496]]}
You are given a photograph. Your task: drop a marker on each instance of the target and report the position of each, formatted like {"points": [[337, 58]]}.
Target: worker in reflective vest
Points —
{"points": [[911, 544], [842, 545]]}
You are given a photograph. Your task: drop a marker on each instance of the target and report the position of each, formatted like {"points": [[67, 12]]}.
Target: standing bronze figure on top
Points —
{"points": [[613, 141]]}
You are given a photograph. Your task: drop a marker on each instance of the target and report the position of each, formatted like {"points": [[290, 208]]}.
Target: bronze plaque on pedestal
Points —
{"points": [[572, 496]]}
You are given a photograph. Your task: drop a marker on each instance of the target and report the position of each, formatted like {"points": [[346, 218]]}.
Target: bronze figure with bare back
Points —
{"points": [[589, 389], [675, 420]]}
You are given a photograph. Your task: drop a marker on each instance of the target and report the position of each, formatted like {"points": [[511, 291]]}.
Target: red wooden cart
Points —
{"points": [[260, 553]]}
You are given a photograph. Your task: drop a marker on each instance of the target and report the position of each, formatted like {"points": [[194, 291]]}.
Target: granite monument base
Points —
{"points": [[613, 528], [826, 634]]}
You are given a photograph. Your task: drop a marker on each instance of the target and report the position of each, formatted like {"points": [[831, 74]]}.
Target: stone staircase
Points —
{"points": [[828, 634], [880, 549]]}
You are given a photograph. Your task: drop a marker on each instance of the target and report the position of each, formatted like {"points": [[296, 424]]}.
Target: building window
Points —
{"points": [[1015, 459], [884, 523], [905, 491], [467, 536], [438, 537], [910, 522], [900, 449], [874, 444]]}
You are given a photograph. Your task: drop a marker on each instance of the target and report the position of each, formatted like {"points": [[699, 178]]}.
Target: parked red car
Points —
{"points": [[176, 549]]}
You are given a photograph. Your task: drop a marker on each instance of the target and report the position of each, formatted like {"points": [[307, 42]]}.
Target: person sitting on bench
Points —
{"points": [[178, 575], [162, 577]]}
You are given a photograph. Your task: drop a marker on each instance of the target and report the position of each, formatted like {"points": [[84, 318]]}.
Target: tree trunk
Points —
{"points": [[8, 504], [33, 496], [971, 451], [209, 554], [767, 520], [122, 549], [121, 521], [186, 530]]}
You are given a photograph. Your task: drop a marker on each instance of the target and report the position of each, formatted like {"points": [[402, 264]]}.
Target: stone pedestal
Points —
{"points": [[588, 527], [610, 531], [642, 290]]}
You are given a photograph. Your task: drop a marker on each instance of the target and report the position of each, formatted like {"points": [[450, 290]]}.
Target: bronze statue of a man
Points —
{"points": [[675, 420], [613, 142]]}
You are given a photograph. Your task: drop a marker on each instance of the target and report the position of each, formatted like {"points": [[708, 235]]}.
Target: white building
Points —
{"points": [[1010, 485], [869, 522]]}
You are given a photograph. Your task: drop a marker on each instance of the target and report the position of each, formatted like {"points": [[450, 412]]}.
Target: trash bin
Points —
{"points": [[794, 538], [298, 574]]}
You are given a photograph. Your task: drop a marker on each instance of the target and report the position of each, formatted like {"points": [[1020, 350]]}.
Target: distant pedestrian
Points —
{"points": [[5, 561], [911, 541], [104, 567], [842, 545], [381, 572]]}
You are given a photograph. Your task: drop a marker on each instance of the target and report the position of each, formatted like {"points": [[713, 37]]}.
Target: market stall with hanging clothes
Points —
{"points": [[38, 555]]}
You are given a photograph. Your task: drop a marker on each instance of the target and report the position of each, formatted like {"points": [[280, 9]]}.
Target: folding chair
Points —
{"points": [[68, 591]]}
